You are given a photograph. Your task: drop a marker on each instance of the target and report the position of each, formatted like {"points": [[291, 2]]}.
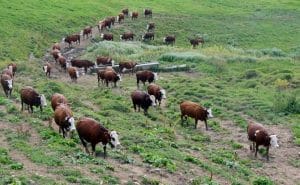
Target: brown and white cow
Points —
{"points": [[30, 97], [111, 76], [196, 111], [7, 84], [107, 36], [169, 39], [148, 12], [145, 76], [56, 46], [120, 18], [13, 66], [126, 65], [125, 11], [8, 71], [55, 53], [258, 135], [142, 100], [82, 63], [62, 62], [91, 131], [73, 73], [195, 42], [106, 23], [87, 31], [47, 69], [72, 38], [57, 99], [63, 117], [150, 26], [134, 15], [148, 36], [157, 92], [127, 36], [105, 60]]}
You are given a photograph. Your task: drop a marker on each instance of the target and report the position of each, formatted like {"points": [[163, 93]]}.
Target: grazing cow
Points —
{"points": [[72, 38], [127, 36], [195, 42], [111, 76], [7, 84], [120, 18], [62, 62], [47, 69], [55, 53], [13, 66], [193, 110], [148, 36], [58, 99], [8, 72], [107, 36], [105, 61], [91, 131], [106, 23], [73, 73], [169, 39], [86, 31], [145, 76], [31, 98], [82, 63], [148, 12], [100, 76], [125, 11], [150, 26], [63, 117], [127, 65], [157, 92], [134, 15], [142, 99], [259, 136], [56, 46]]}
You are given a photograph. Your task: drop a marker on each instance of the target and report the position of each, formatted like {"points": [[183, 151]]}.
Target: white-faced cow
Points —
{"points": [[127, 36], [7, 84], [157, 92], [31, 98], [142, 99], [169, 39], [107, 36]]}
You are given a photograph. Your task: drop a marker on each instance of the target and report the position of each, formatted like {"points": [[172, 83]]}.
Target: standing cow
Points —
{"points": [[125, 11], [157, 92], [63, 117], [145, 76], [120, 18], [169, 39], [57, 99], [127, 65], [82, 63], [150, 26], [13, 66], [105, 61], [127, 36], [134, 15], [142, 99], [30, 97], [72, 38], [193, 110], [107, 36], [259, 136], [91, 131], [148, 36], [148, 13], [7, 84], [47, 69], [73, 73], [111, 76], [56, 46], [195, 42], [87, 31]]}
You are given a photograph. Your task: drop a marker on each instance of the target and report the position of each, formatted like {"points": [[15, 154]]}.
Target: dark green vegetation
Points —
{"points": [[235, 73]]}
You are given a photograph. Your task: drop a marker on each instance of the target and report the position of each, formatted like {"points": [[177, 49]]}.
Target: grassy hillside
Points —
{"points": [[255, 24], [248, 71]]}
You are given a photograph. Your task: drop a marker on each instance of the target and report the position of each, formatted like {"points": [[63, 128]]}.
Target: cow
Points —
{"points": [[258, 135], [56, 46], [150, 26], [196, 111], [142, 99], [111, 76], [73, 73], [107, 36], [7, 84], [57, 99], [145, 76], [125, 11], [127, 65], [105, 61], [112, 20], [91, 131], [120, 18], [106, 23], [169, 39], [134, 15], [87, 31], [148, 36], [63, 117], [127, 36], [62, 62], [55, 53], [8, 71], [31, 98], [100, 76], [82, 63], [13, 66], [157, 92], [148, 12], [195, 42], [72, 38], [47, 69]]}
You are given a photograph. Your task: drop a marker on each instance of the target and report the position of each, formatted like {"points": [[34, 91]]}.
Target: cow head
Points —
{"points": [[45, 68], [43, 100], [81, 33], [121, 37], [102, 36], [209, 113], [273, 141], [155, 76], [163, 94], [114, 139], [152, 98], [119, 76], [112, 63], [10, 83], [71, 123], [77, 74]]}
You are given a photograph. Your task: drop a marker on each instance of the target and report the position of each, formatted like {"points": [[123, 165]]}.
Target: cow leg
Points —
{"points": [[134, 106], [85, 145], [137, 83], [205, 121], [104, 151], [196, 121], [256, 149], [267, 153], [30, 109], [106, 81], [139, 108], [22, 105], [94, 149]]}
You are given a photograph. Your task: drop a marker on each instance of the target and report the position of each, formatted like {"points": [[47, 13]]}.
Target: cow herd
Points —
{"points": [[91, 131]]}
